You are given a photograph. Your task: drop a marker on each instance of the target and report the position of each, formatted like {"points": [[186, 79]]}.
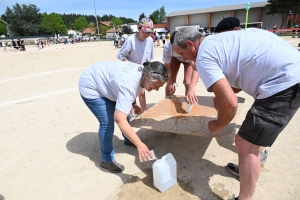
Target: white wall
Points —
{"points": [[177, 21], [199, 19], [216, 17]]}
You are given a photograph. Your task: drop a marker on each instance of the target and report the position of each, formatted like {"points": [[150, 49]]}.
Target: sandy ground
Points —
{"points": [[50, 149]]}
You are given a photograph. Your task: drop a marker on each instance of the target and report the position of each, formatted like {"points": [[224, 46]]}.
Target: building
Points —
{"points": [[160, 28], [88, 31], [105, 23], [71, 32], [210, 17]]}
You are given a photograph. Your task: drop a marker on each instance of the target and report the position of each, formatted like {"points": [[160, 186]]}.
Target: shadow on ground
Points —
{"points": [[193, 171]]}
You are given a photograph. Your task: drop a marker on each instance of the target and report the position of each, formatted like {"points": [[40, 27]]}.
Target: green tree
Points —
{"points": [[53, 23], [284, 8], [103, 29], [155, 17], [142, 16], [115, 23], [80, 24], [158, 16], [162, 15], [24, 19], [3, 29]]}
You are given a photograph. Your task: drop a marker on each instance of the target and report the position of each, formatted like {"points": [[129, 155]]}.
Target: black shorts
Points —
{"points": [[268, 117]]}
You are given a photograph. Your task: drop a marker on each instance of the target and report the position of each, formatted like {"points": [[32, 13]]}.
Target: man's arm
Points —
{"points": [[173, 71], [191, 94], [226, 104]]}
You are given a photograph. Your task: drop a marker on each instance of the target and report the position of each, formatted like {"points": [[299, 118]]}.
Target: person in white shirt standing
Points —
{"points": [[138, 48], [163, 37], [4, 46]]}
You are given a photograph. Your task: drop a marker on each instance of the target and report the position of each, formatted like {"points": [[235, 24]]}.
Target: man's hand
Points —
{"points": [[191, 97], [213, 127], [170, 89], [136, 108]]}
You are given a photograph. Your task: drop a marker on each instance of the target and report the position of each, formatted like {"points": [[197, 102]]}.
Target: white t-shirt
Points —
{"points": [[168, 53], [137, 51], [256, 61], [125, 36], [114, 80], [3, 44], [163, 36]]}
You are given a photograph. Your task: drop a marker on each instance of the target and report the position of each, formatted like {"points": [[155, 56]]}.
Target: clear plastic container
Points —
{"points": [[165, 172], [188, 107]]}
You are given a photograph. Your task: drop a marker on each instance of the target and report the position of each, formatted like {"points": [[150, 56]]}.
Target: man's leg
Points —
{"points": [[263, 123], [104, 109], [249, 166]]}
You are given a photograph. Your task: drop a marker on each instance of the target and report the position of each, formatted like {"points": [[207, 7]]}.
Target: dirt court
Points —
{"points": [[50, 149]]}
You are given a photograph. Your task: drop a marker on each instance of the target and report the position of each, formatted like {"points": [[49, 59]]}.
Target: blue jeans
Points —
{"points": [[104, 110]]}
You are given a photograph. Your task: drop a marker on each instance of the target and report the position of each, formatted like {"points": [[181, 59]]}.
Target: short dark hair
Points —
{"points": [[172, 37], [226, 24]]}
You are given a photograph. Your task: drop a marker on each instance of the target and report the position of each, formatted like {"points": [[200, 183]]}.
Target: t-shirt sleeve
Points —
{"points": [[167, 54], [208, 68], [124, 101], [125, 50], [152, 51]]}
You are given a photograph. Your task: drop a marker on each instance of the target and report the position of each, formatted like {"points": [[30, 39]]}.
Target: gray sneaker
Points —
{"points": [[264, 156], [234, 169], [113, 167]]}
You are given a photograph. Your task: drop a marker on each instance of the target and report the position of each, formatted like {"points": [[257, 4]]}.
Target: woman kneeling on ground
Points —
{"points": [[109, 90]]}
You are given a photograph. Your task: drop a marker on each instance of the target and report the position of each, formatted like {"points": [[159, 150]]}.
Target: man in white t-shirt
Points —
{"points": [[263, 66], [173, 61]]}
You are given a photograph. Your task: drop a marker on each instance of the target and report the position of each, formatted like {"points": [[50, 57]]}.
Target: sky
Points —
{"points": [[119, 8]]}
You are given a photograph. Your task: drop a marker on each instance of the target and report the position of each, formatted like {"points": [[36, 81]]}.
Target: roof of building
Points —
{"points": [[105, 23], [217, 9], [113, 31], [87, 31]]}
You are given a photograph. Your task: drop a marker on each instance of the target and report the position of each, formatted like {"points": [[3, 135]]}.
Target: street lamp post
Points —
{"points": [[247, 9], [96, 19]]}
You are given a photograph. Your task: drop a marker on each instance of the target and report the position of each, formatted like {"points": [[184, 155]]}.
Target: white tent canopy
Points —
{"points": [[160, 30]]}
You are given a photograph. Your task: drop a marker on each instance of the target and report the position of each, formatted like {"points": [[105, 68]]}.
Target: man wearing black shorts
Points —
{"points": [[232, 61]]}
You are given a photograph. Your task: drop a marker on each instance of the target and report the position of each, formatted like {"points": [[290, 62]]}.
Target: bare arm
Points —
{"points": [[120, 119], [173, 71], [191, 97], [225, 102], [142, 99]]}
